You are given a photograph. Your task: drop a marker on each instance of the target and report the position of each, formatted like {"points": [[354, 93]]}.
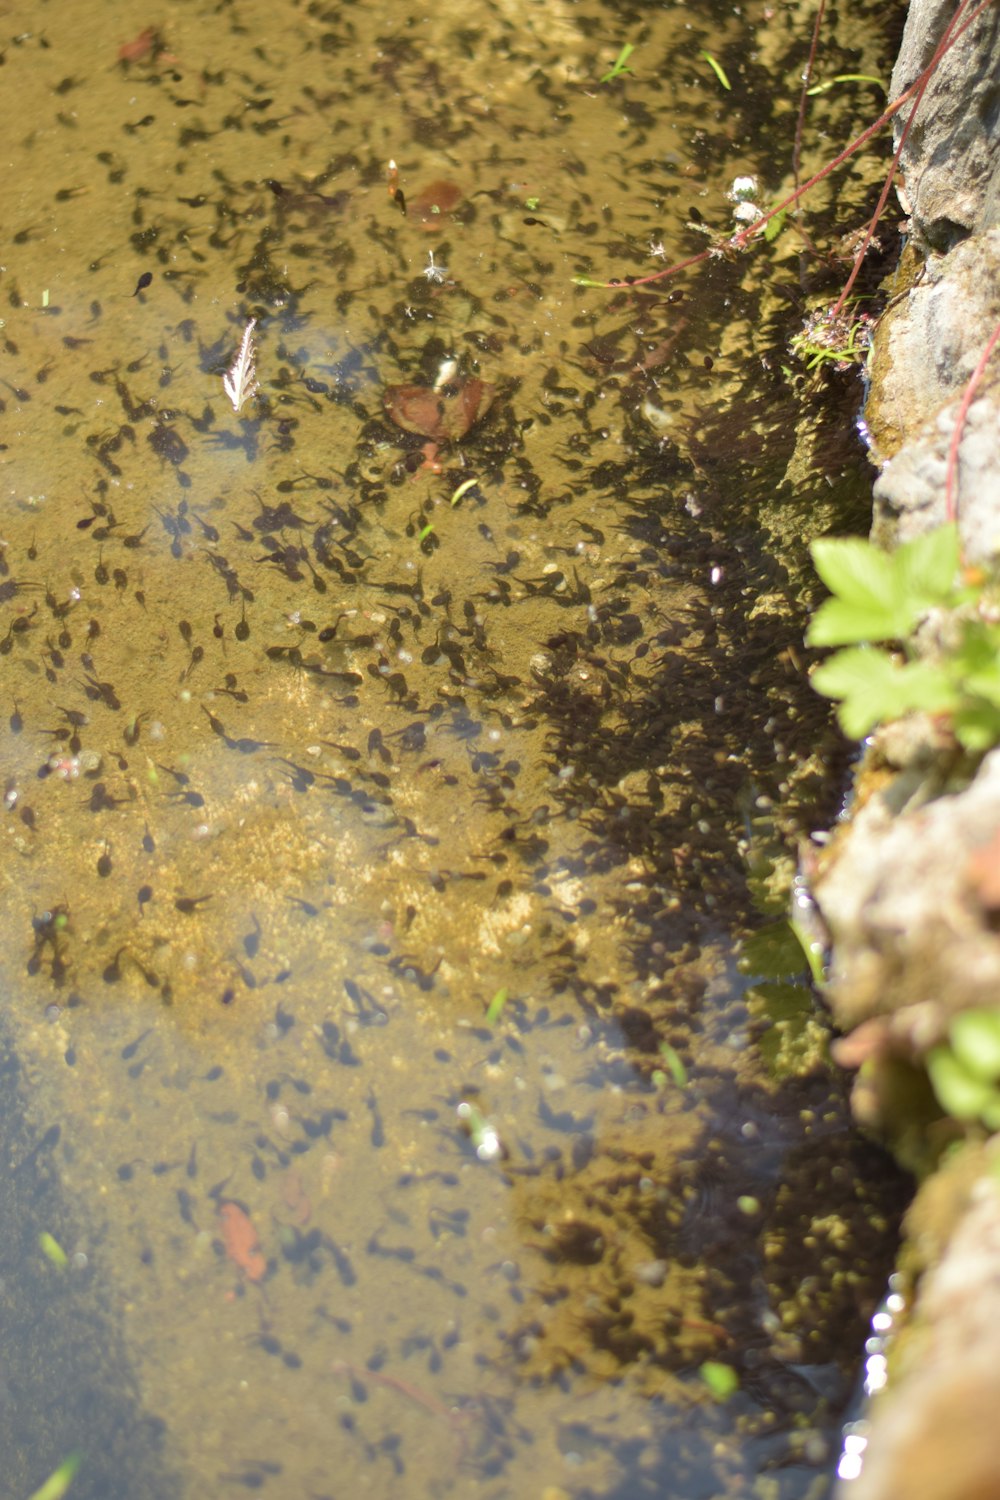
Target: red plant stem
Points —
{"points": [[951, 478], [804, 95], [939, 52], [739, 241]]}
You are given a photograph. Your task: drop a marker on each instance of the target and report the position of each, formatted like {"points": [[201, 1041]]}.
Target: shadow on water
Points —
{"points": [[66, 1385], [401, 771]]}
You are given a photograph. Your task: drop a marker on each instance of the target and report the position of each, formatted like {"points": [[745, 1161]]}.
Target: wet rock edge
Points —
{"points": [[912, 939]]}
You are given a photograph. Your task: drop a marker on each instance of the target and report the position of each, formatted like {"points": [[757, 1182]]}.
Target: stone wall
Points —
{"points": [[909, 888]]}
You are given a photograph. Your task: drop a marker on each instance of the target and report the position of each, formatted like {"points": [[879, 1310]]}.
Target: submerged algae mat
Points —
{"points": [[404, 742]]}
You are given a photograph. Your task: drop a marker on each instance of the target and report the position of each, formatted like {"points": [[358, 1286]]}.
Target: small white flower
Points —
{"points": [[432, 271], [744, 189]]}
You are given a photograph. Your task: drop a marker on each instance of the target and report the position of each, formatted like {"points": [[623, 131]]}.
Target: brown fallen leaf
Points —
{"points": [[240, 1240], [443, 415], [433, 204]]}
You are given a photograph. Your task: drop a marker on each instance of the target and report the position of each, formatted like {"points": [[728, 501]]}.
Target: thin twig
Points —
{"points": [[939, 52], [740, 240], [804, 95]]}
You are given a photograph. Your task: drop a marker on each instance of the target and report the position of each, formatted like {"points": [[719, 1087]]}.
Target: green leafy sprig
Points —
{"points": [[620, 64], [882, 597]]}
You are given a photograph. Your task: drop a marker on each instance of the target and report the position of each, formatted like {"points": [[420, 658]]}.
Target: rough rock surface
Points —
{"points": [[928, 346], [910, 492], [910, 887], [902, 901], [930, 340], [952, 156], [938, 1440]]}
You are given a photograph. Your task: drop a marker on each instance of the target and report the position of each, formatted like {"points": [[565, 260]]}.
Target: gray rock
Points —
{"points": [[910, 888], [910, 491], [929, 343], [896, 902], [934, 1429], [951, 161]]}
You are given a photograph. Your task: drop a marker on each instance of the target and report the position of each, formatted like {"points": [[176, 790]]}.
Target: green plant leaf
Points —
{"points": [[880, 596], [926, 567], [495, 1008], [812, 950], [674, 1064], [976, 726], [618, 67], [774, 226], [975, 1041], [845, 622], [977, 660], [860, 678], [874, 688], [853, 569], [958, 1092], [772, 952], [52, 1250]]}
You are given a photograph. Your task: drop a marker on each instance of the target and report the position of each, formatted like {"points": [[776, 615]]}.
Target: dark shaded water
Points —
{"points": [[394, 767]]}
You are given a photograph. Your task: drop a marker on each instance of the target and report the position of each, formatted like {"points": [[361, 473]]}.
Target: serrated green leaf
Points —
{"points": [[878, 595], [842, 622], [926, 567], [925, 685], [862, 677], [958, 1092], [853, 569], [874, 688], [975, 1041], [983, 684]]}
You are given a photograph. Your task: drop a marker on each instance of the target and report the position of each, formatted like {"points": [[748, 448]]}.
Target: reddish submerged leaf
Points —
{"points": [[240, 1240], [433, 203], [444, 415]]}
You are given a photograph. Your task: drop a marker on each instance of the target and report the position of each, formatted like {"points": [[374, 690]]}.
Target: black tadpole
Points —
{"points": [[144, 281]]}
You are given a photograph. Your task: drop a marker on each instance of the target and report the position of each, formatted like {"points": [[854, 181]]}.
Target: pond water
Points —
{"points": [[402, 1094]]}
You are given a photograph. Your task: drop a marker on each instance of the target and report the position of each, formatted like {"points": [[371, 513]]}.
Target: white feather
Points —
{"points": [[240, 381]]}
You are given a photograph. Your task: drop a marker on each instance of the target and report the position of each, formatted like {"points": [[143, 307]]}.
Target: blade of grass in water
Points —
{"points": [[717, 69], [58, 1483]]}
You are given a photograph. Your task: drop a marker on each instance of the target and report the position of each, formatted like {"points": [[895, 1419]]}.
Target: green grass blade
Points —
{"points": [[58, 1483], [716, 68]]}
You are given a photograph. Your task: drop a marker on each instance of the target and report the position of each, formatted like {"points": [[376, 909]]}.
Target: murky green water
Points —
{"points": [[425, 735]]}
